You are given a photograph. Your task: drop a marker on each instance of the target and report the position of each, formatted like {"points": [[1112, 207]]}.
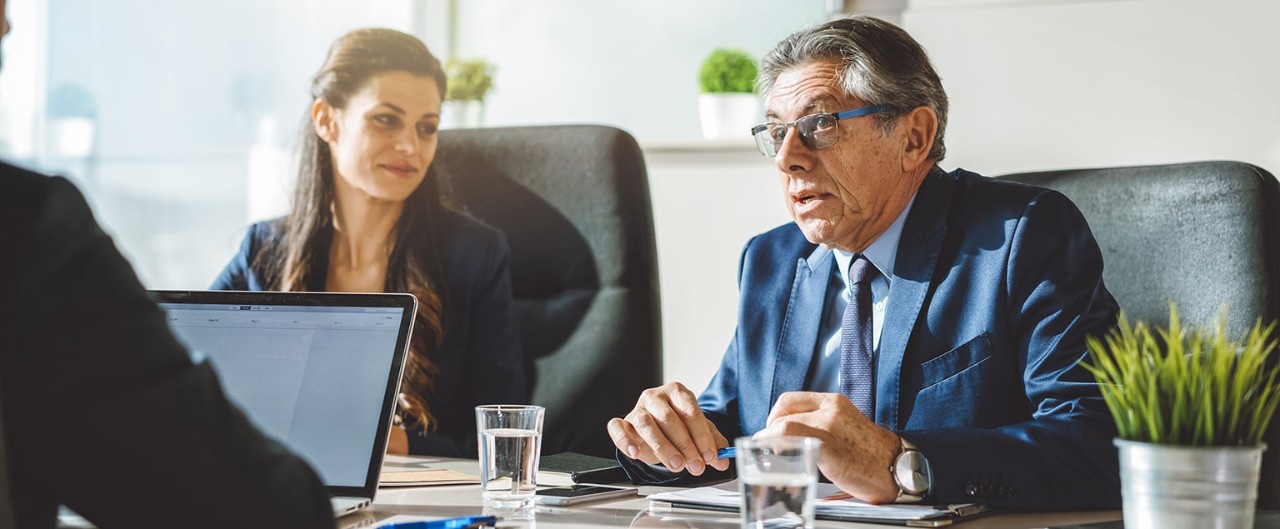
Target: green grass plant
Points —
{"points": [[1187, 386], [469, 80], [727, 71]]}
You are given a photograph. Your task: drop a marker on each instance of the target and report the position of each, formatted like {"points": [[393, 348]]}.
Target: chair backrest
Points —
{"points": [[1199, 234], [573, 201], [6, 486]]}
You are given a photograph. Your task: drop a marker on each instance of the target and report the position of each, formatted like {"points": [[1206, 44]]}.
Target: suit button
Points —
{"points": [[970, 489]]}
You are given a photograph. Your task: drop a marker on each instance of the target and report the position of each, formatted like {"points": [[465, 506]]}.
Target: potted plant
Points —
{"points": [[469, 82], [727, 106], [1191, 406]]}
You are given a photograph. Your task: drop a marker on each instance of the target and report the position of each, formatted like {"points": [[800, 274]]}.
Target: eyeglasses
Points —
{"points": [[817, 131]]}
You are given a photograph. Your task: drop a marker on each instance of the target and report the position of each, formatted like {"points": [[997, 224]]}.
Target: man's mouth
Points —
{"points": [[806, 198]]}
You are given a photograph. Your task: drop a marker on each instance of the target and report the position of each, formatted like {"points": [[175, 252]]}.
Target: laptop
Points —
{"points": [[319, 372]]}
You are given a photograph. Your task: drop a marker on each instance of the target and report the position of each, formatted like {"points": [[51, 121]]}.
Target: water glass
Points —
{"points": [[777, 478], [510, 438]]}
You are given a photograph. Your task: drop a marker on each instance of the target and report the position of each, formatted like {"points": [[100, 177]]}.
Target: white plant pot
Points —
{"points": [[71, 137], [462, 114], [728, 115], [1182, 487]]}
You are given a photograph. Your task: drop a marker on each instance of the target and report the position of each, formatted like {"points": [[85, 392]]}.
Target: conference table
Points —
{"points": [[464, 500]]}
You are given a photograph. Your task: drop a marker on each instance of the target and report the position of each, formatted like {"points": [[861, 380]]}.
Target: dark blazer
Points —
{"points": [[480, 360], [103, 410], [997, 284]]}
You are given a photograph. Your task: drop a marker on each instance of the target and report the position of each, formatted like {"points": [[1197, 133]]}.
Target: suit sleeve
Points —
{"points": [[493, 365], [235, 276], [719, 402], [1063, 456], [120, 412]]}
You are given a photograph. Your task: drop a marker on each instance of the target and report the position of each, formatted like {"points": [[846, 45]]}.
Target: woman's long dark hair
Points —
{"points": [[291, 260]]}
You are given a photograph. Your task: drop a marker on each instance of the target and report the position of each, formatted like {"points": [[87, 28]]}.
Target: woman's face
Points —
{"points": [[385, 138]]}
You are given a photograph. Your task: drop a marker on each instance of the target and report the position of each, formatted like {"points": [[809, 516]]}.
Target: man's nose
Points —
{"points": [[792, 155]]}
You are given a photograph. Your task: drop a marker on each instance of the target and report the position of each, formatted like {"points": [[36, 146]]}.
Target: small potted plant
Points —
{"points": [[469, 82], [727, 106], [1191, 405]]}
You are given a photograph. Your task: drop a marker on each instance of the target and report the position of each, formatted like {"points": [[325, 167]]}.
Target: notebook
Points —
{"points": [[571, 468], [318, 372], [831, 504]]}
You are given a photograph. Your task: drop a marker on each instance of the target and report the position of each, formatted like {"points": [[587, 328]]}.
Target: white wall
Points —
{"points": [[625, 63], [1038, 85]]}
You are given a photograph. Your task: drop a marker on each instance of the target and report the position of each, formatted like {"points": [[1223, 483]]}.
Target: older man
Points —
{"points": [[925, 325]]}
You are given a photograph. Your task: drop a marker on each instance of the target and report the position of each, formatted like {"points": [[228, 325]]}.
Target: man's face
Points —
{"points": [[845, 195]]}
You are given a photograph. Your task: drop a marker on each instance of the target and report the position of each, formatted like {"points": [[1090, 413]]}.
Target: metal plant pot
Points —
{"points": [[1181, 487]]}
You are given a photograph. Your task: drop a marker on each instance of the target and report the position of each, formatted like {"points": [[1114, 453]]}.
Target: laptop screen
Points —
{"points": [[318, 372]]}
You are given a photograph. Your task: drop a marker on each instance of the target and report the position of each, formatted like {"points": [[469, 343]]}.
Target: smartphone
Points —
{"points": [[580, 494]]}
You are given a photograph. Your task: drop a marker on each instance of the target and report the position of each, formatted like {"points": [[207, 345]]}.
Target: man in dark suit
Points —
{"points": [[926, 326], [102, 410]]}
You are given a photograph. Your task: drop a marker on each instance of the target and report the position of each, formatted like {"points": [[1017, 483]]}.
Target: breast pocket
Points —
{"points": [[956, 362]]}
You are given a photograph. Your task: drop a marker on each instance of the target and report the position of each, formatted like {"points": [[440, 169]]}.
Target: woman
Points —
{"points": [[368, 216]]}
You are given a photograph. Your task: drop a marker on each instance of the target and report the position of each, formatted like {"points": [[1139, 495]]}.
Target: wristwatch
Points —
{"points": [[910, 471]]}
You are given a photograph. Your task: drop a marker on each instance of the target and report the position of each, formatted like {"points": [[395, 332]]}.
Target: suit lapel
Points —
{"points": [[799, 334], [918, 249]]}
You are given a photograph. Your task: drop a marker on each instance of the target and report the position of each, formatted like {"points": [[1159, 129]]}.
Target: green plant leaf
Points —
{"points": [[469, 80], [727, 71], [1187, 384]]}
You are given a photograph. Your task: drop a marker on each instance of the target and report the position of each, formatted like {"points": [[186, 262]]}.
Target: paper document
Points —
{"points": [[424, 478], [831, 504]]}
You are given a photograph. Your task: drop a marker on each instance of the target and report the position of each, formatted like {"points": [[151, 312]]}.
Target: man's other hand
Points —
{"points": [[668, 428], [856, 453]]}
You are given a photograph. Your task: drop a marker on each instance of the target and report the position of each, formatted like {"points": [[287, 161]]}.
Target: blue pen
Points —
{"points": [[465, 522], [727, 452]]}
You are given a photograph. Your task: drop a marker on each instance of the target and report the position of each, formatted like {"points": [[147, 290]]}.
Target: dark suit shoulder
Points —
{"points": [[462, 228], [466, 241], [987, 192], [784, 243]]}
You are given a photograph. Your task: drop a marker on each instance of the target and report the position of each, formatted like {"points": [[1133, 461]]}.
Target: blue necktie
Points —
{"points": [[855, 338]]}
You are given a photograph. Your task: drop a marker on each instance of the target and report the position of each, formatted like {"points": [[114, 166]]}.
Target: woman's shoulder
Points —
{"points": [[265, 230], [466, 233]]}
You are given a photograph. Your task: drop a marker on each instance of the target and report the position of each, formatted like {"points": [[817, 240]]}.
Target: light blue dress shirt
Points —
{"points": [[882, 252]]}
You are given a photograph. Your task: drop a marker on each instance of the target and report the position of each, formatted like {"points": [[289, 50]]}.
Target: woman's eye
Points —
{"points": [[427, 129], [386, 119]]}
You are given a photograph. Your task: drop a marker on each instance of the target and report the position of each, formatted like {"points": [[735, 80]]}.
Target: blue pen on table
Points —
{"points": [[465, 522], [727, 452]]}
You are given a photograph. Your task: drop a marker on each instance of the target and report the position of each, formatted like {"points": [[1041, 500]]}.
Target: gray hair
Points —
{"points": [[881, 64]]}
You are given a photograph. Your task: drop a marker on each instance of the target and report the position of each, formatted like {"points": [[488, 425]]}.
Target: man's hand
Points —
{"points": [[667, 427], [856, 453]]}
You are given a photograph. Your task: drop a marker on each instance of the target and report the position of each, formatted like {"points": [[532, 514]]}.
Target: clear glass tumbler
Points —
{"points": [[510, 438], [777, 477]]}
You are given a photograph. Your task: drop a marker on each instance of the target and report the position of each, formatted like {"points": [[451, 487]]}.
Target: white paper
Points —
{"points": [[830, 502]]}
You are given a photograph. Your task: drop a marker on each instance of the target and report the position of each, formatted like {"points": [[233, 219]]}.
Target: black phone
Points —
{"points": [[581, 493]]}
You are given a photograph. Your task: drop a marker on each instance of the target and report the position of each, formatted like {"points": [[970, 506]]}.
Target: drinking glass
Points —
{"points": [[510, 438], [777, 477]]}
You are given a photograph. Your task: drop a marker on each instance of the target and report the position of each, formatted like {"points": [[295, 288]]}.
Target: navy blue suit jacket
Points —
{"points": [[480, 360], [997, 284]]}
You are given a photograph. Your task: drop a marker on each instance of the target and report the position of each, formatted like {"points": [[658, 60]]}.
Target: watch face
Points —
{"points": [[911, 472]]}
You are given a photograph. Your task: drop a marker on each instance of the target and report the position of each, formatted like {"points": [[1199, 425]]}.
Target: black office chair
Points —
{"points": [[573, 201], [6, 501], [1199, 234]]}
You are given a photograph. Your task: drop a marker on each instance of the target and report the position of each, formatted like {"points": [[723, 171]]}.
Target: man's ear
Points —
{"points": [[920, 126], [324, 121]]}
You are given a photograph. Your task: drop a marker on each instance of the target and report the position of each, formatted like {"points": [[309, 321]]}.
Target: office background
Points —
{"points": [[176, 118]]}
